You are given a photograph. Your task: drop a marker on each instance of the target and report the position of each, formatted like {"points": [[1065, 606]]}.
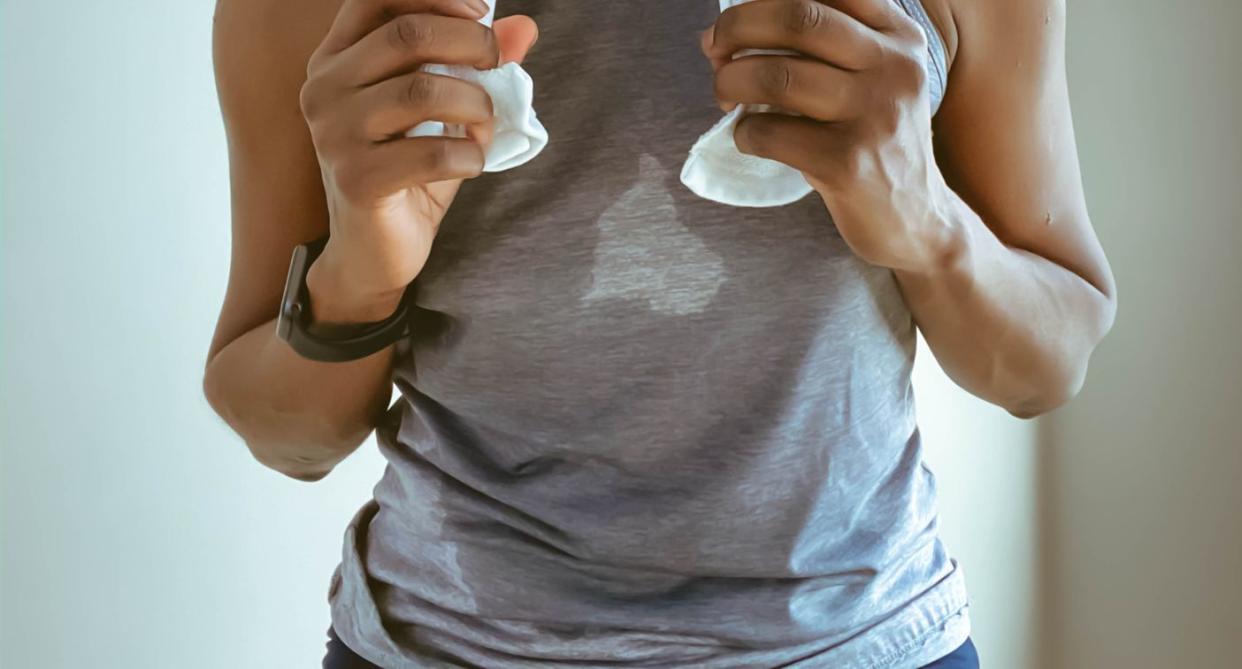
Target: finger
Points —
{"points": [[882, 15], [357, 18], [796, 141], [411, 162], [482, 133], [395, 105], [516, 35], [411, 40], [705, 44], [805, 26], [800, 85]]}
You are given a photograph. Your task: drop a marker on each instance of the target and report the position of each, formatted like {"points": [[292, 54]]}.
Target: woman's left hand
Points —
{"points": [[863, 139]]}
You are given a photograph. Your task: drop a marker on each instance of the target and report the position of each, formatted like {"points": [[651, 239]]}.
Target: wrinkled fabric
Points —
{"points": [[639, 428]]}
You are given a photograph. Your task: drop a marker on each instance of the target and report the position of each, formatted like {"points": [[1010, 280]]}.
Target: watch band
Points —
{"points": [[351, 342]]}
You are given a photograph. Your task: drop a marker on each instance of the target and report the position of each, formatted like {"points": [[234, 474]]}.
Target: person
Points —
{"points": [[636, 427]]}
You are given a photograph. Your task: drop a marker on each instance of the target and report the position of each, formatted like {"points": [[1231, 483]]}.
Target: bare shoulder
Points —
{"points": [[979, 29]]}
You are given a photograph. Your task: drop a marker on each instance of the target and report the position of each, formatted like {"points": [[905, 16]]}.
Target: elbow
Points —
{"points": [[1053, 395], [217, 396], [1058, 383], [213, 392], [294, 462], [301, 462], [1104, 316], [297, 468]]}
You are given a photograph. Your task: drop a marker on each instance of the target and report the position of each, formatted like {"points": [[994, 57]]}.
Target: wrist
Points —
{"points": [[335, 301], [945, 237]]}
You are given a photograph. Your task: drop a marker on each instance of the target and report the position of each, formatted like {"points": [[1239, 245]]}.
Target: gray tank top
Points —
{"points": [[642, 429]]}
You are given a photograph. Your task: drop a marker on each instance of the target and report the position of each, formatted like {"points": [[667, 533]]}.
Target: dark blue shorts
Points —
{"points": [[964, 657], [341, 657]]}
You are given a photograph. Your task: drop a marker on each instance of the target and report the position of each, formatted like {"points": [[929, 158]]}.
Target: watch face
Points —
{"points": [[284, 322], [291, 300], [347, 344]]}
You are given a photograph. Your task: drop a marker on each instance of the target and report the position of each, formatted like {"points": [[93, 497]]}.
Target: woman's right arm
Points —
{"points": [[315, 98]]}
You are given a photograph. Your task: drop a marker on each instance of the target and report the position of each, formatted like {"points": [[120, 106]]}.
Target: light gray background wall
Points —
{"points": [[137, 532], [1146, 500]]}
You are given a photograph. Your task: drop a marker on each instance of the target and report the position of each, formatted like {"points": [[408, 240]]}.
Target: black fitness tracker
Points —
{"points": [[345, 343]]}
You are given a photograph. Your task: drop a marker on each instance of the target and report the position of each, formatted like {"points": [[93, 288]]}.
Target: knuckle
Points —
{"points": [[491, 46], [776, 78], [804, 16], [438, 157], [908, 66], [756, 135], [872, 51], [910, 29], [308, 98], [914, 72], [918, 37], [313, 61], [408, 31], [419, 89]]}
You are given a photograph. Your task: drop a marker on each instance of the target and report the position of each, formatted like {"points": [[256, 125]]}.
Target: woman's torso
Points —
{"points": [[641, 427]]}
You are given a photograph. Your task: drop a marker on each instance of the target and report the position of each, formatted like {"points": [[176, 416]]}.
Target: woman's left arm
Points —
{"points": [[986, 227]]}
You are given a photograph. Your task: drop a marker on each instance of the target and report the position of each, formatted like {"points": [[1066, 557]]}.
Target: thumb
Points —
{"points": [[516, 35]]}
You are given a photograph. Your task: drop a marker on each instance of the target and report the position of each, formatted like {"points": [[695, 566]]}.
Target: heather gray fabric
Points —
{"points": [[641, 429]]}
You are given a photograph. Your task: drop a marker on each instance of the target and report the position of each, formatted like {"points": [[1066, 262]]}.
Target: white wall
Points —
{"points": [[1146, 540], [987, 470], [137, 531]]}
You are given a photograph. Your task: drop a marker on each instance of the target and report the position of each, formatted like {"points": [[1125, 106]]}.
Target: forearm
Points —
{"points": [[297, 416], [1009, 326]]}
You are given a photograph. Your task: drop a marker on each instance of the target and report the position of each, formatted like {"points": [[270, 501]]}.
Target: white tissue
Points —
{"points": [[519, 136], [717, 170]]}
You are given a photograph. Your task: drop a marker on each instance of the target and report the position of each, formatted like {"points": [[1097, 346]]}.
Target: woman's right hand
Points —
{"points": [[387, 193]]}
